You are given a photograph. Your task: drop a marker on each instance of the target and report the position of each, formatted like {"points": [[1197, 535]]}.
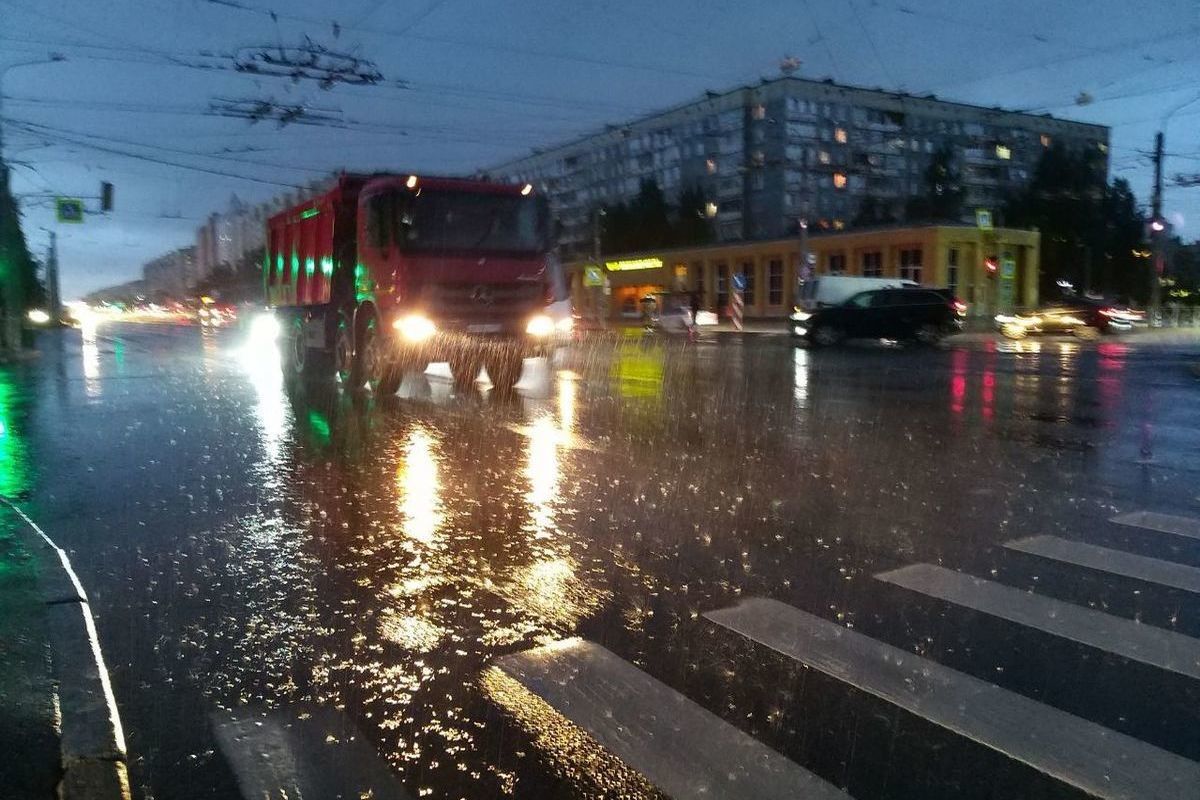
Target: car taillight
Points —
{"points": [[960, 308]]}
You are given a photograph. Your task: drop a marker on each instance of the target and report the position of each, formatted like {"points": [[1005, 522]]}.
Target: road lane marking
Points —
{"points": [[1115, 562], [1123, 637], [678, 746], [1164, 523], [1083, 754]]}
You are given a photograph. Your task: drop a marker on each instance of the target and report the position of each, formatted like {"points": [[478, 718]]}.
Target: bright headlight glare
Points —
{"points": [[541, 325], [415, 327], [38, 317], [264, 329], [565, 325], [801, 316]]}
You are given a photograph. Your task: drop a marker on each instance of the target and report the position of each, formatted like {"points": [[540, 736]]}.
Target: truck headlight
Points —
{"points": [[541, 325], [415, 327]]}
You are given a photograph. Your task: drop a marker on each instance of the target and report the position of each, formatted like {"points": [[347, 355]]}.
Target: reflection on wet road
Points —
{"points": [[255, 544]]}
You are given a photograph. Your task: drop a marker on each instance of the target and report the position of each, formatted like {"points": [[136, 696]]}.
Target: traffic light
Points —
{"points": [[993, 266], [106, 196]]}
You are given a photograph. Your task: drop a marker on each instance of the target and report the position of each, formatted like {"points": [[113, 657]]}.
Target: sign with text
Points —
{"points": [[633, 264]]}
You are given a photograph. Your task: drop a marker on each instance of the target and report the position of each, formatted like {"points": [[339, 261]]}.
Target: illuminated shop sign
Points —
{"points": [[633, 264]]}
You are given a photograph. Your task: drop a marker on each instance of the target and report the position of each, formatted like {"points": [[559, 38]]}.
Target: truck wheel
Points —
{"points": [[380, 373], [343, 352], [464, 367], [295, 351], [504, 370]]}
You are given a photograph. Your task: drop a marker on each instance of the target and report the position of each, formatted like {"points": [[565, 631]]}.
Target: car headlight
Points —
{"points": [[541, 325], [565, 325], [415, 327], [801, 316], [38, 317]]}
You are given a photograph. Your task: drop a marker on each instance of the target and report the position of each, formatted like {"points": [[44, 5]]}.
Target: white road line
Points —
{"points": [[1116, 562], [678, 746], [1097, 760], [1166, 523], [1145, 643]]}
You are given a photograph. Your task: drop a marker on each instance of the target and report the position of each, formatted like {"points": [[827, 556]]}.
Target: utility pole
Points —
{"points": [[598, 298], [1157, 229], [52, 296]]}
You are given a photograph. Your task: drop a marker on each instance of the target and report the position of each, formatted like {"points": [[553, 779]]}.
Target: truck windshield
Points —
{"points": [[442, 221]]}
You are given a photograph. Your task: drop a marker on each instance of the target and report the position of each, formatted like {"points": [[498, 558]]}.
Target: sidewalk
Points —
{"points": [[29, 741]]}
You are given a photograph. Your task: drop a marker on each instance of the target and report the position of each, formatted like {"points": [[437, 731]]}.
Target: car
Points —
{"points": [[833, 290], [1081, 317], [915, 313]]}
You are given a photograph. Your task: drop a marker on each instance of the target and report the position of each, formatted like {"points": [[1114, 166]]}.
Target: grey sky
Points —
{"points": [[490, 80]]}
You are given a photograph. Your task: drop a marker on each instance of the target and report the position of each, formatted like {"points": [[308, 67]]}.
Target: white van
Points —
{"points": [[833, 290]]}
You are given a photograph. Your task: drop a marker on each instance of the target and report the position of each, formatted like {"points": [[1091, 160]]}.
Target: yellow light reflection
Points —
{"points": [[582, 760], [800, 363], [567, 392], [551, 589], [410, 632], [91, 361], [543, 473], [272, 412], [417, 480]]}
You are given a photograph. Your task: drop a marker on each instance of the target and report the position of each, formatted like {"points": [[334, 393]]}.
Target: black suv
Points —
{"points": [[924, 315]]}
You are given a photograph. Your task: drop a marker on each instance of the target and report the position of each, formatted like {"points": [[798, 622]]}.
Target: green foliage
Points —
{"points": [[18, 270], [648, 221], [943, 195], [1091, 232]]}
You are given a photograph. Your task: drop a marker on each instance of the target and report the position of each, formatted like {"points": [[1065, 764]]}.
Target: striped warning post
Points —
{"points": [[737, 309]]}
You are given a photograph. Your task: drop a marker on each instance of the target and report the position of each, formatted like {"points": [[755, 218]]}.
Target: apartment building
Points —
{"points": [[766, 156]]}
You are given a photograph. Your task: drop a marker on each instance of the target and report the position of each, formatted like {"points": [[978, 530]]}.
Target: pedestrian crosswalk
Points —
{"points": [[1164, 523], [682, 749], [1115, 562], [1123, 637], [685, 751]]}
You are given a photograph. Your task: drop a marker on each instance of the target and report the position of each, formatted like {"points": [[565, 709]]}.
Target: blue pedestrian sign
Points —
{"points": [[739, 282]]}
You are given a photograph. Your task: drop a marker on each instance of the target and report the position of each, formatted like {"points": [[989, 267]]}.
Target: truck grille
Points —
{"points": [[467, 301]]}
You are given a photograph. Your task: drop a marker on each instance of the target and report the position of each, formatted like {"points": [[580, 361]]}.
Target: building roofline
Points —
{"points": [[825, 82], [787, 241]]}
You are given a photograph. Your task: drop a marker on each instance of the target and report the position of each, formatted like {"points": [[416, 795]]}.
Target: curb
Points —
{"points": [[92, 742]]}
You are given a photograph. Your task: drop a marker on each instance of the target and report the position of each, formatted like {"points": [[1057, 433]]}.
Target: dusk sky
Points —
{"points": [[467, 85]]}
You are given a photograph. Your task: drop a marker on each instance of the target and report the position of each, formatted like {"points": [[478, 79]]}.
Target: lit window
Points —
{"points": [[823, 156], [711, 164], [839, 225], [759, 112], [839, 135], [710, 210], [1003, 152], [1102, 147], [839, 180], [1046, 140]]}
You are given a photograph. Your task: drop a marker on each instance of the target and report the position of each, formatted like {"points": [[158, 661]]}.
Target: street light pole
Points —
{"points": [[1158, 226]]}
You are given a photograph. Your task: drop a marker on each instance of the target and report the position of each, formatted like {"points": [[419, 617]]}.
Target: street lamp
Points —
{"points": [[52, 58]]}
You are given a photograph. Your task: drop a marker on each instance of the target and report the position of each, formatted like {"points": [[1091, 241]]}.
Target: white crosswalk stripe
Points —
{"points": [[1097, 760], [1123, 637], [1116, 562], [1164, 523], [682, 749]]}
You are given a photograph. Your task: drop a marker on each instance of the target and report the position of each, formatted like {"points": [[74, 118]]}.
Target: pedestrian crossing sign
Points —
{"points": [[593, 275], [69, 209]]}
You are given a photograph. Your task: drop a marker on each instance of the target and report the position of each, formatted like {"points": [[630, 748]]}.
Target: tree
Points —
{"points": [[648, 221], [691, 223], [1089, 230], [18, 270], [942, 198], [872, 212]]}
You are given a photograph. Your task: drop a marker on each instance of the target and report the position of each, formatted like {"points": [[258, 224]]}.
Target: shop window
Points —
{"points": [[872, 264], [910, 265], [952, 270], [775, 282]]}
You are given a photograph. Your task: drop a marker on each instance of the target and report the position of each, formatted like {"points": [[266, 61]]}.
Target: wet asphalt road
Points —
{"points": [[255, 549]]}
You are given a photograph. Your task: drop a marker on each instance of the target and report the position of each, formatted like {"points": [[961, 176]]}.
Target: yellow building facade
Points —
{"points": [[994, 271]]}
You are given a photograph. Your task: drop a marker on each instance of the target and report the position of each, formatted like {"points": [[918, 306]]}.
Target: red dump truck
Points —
{"points": [[383, 274]]}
